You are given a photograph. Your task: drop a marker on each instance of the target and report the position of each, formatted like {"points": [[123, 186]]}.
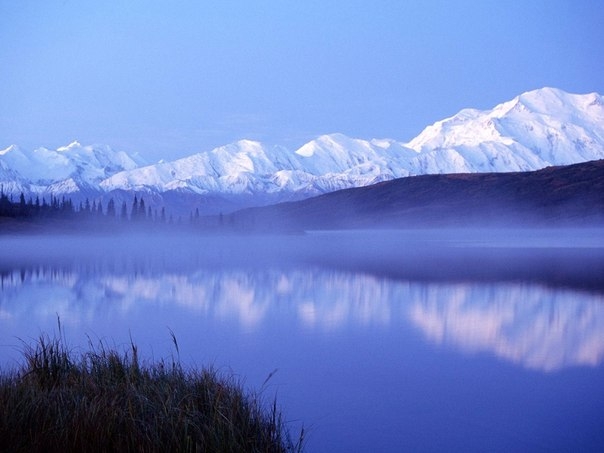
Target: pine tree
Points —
{"points": [[66, 206], [5, 204], [134, 212], [22, 205], [111, 209], [142, 211], [124, 212]]}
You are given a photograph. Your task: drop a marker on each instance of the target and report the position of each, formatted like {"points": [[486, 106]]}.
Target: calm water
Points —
{"points": [[382, 341]]}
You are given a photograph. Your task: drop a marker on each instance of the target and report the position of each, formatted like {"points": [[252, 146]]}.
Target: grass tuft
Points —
{"points": [[105, 400]]}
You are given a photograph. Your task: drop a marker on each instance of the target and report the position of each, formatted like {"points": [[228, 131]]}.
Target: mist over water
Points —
{"points": [[555, 256], [493, 338]]}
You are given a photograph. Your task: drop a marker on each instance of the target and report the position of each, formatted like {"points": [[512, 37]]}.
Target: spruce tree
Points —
{"points": [[134, 212], [142, 211], [111, 209], [124, 212]]}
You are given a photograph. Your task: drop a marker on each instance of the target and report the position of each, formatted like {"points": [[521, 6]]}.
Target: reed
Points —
{"points": [[107, 400]]}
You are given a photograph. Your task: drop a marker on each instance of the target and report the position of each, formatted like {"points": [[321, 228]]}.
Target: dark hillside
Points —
{"points": [[568, 195]]}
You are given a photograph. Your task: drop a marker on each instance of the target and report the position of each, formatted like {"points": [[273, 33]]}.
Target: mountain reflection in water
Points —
{"points": [[528, 324]]}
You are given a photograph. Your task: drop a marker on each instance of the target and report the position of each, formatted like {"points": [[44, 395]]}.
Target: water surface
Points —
{"points": [[382, 341]]}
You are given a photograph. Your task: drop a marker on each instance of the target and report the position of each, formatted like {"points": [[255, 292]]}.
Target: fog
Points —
{"points": [[558, 257]]}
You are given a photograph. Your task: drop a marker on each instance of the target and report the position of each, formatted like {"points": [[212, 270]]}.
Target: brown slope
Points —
{"points": [[572, 194]]}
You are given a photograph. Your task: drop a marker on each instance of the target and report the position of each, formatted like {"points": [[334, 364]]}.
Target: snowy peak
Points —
{"points": [[73, 145], [536, 129], [10, 150], [100, 156], [334, 153], [244, 156], [558, 103], [337, 153], [220, 170], [533, 130], [546, 106], [83, 166]]}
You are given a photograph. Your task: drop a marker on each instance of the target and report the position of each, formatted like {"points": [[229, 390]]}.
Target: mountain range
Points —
{"points": [[534, 130]]}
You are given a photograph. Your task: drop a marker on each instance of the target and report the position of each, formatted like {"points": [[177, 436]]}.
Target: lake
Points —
{"points": [[458, 340]]}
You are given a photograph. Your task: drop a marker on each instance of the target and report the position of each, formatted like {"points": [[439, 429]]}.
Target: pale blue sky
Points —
{"points": [[170, 78]]}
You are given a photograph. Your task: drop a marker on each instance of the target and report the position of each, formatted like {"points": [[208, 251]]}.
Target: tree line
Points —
{"points": [[63, 208]]}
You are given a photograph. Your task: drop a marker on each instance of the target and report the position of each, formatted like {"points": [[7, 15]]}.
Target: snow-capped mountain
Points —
{"points": [[67, 169], [328, 163], [534, 130]]}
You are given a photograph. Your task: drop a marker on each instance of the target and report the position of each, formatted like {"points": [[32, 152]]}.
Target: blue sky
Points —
{"points": [[170, 78]]}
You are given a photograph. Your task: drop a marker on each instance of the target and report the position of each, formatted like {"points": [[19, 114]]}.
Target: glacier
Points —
{"points": [[534, 130]]}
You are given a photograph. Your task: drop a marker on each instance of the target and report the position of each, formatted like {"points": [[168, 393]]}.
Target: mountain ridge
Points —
{"points": [[552, 196], [534, 130]]}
